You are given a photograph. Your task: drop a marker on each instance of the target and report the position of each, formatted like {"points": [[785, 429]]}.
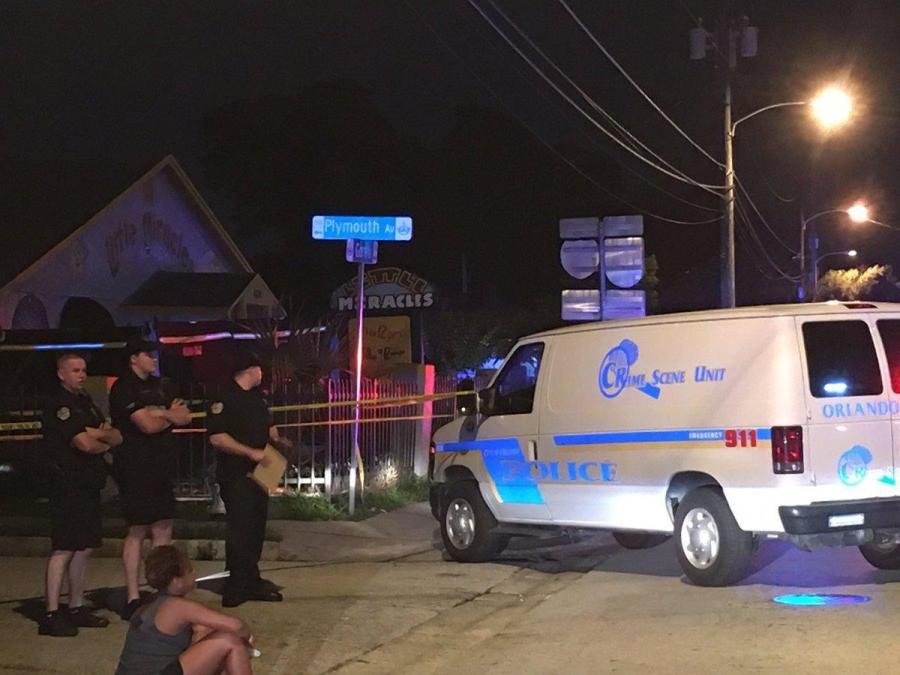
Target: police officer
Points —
{"points": [[145, 464], [77, 436], [239, 427]]}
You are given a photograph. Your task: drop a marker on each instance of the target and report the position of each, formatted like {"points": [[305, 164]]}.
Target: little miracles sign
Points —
{"points": [[389, 288]]}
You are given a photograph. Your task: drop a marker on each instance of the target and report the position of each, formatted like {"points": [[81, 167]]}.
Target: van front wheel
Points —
{"points": [[712, 549], [882, 556], [467, 525]]}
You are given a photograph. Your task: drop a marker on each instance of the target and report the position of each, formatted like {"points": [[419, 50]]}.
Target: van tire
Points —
{"points": [[882, 557], [707, 512], [465, 516], [639, 540]]}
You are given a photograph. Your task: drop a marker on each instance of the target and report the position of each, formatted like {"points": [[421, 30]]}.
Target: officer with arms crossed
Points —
{"points": [[239, 427], [145, 464], [77, 436]]}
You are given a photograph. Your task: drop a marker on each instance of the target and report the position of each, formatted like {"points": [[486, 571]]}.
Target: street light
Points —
{"points": [[859, 213], [831, 108], [852, 253]]}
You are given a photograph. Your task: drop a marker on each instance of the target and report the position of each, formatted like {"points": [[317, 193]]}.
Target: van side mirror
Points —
{"points": [[467, 404]]}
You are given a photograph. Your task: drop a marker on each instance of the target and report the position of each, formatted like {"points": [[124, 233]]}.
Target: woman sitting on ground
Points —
{"points": [[175, 636]]}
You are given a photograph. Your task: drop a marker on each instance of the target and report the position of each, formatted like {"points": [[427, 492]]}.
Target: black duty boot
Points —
{"points": [[57, 624]]}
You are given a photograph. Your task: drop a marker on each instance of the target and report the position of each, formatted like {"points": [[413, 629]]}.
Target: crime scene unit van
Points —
{"points": [[719, 427]]}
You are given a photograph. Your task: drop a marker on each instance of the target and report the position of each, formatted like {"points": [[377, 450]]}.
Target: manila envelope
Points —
{"points": [[269, 471]]}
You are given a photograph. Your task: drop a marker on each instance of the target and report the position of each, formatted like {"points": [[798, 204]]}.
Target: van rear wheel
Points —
{"points": [[639, 540], [467, 525], [712, 549], [882, 556]]}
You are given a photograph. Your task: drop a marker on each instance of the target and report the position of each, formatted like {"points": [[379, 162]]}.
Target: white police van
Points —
{"points": [[720, 427]]}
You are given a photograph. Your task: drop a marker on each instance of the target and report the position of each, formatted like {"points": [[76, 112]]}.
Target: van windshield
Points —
{"points": [[841, 360], [890, 336]]}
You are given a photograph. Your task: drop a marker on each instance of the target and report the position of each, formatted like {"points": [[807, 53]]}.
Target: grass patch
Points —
{"points": [[303, 507], [408, 490]]}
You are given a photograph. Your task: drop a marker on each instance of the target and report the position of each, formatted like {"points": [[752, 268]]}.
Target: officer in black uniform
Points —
{"points": [[77, 436], [239, 426], [145, 464]]}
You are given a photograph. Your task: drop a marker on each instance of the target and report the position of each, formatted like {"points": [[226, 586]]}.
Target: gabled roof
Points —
{"points": [[46, 204], [190, 289]]}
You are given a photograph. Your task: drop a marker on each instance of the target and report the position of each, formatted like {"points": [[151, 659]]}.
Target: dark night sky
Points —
{"points": [[109, 82]]}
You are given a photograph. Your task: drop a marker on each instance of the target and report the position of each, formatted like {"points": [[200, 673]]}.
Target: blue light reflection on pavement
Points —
{"points": [[819, 599]]}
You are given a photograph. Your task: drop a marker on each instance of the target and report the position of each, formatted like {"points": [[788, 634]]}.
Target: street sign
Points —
{"points": [[373, 228], [581, 305], [362, 251], [624, 305], [579, 228], [623, 226], [623, 260], [580, 257]]}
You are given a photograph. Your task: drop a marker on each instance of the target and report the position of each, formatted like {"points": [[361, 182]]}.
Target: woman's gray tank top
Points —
{"points": [[147, 651]]}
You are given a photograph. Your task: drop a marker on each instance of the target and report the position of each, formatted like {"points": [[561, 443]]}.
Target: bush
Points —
{"points": [[303, 507]]}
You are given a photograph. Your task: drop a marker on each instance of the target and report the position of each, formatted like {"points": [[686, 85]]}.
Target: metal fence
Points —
{"points": [[317, 419]]}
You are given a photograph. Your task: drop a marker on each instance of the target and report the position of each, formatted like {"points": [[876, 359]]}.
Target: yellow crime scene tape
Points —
{"points": [[366, 403]]}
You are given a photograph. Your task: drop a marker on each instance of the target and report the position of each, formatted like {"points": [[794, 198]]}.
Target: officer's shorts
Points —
{"points": [[146, 497], [75, 519]]}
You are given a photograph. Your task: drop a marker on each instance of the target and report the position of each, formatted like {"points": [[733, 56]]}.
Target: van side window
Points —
{"points": [[840, 356], [517, 381], [890, 336]]}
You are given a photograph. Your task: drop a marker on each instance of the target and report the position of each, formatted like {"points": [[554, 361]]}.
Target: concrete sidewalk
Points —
{"points": [[394, 534], [387, 536]]}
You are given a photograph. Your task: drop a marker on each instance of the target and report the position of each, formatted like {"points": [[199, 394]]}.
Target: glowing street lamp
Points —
{"points": [[851, 253], [859, 213], [831, 107]]}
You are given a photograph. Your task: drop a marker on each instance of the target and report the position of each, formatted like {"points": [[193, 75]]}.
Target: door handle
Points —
{"points": [[532, 450]]}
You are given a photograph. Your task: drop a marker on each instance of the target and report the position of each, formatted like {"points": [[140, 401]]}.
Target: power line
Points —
{"points": [[581, 110], [546, 144], [741, 187], [687, 9], [634, 84], [590, 101], [755, 236]]}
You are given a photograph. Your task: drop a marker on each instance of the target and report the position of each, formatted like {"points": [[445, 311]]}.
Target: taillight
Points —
{"points": [[787, 449], [431, 452]]}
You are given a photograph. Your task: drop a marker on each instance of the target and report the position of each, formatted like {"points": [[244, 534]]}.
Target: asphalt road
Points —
{"points": [[584, 607]]}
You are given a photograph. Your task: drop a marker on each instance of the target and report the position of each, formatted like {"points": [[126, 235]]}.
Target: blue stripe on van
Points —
{"points": [[676, 435], [502, 456]]}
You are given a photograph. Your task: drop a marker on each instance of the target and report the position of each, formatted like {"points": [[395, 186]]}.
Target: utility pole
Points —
{"points": [[728, 290], [728, 42]]}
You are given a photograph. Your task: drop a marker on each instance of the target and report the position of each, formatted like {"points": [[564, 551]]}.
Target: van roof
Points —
{"points": [[761, 311]]}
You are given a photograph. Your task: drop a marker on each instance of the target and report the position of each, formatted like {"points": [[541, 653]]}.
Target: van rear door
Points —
{"points": [[849, 444], [889, 331]]}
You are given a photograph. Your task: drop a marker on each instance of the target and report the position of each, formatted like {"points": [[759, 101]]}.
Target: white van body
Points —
{"points": [[626, 418]]}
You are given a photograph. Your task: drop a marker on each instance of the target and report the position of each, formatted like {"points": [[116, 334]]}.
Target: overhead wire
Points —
{"points": [[761, 247], [573, 103], [762, 219], [746, 246], [545, 143], [634, 84], [591, 102]]}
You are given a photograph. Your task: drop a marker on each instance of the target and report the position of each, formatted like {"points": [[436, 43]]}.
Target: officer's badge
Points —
{"points": [[63, 413], [216, 408]]}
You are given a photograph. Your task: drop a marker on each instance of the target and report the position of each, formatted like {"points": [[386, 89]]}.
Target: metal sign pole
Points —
{"points": [[356, 455]]}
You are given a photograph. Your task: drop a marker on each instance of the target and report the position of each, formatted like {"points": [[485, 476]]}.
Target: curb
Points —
{"points": [[196, 549]]}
